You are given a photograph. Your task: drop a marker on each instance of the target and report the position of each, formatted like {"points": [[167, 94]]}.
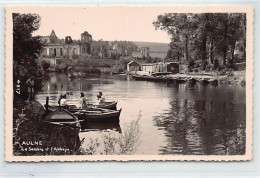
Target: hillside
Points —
{"points": [[154, 47]]}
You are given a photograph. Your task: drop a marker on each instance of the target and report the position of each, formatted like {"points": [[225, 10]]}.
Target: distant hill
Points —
{"points": [[154, 47]]}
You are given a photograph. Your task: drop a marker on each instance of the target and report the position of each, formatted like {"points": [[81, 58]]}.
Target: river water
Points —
{"points": [[185, 119]]}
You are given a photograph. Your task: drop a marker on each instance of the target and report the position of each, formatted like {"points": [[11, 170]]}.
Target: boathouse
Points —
{"points": [[133, 66], [161, 67]]}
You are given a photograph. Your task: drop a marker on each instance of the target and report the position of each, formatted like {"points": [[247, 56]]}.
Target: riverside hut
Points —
{"points": [[161, 67], [133, 66]]}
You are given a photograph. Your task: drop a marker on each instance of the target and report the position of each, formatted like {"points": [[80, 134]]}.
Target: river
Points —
{"points": [[175, 119]]}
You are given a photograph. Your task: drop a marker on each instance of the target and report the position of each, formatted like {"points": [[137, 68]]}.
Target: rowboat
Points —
{"points": [[104, 105], [64, 118], [96, 114]]}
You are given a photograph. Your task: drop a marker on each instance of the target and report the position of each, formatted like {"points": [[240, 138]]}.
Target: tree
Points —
{"points": [[25, 49], [180, 26], [206, 37]]}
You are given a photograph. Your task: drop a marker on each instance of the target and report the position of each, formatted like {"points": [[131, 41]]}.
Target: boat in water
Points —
{"points": [[70, 113], [96, 114], [104, 105], [63, 117]]}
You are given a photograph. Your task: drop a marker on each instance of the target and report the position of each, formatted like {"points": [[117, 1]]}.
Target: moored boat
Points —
{"points": [[96, 114], [105, 105], [64, 118]]}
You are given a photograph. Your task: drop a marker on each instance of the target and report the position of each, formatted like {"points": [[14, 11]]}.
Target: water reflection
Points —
{"points": [[95, 126], [187, 119], [203, 126]]}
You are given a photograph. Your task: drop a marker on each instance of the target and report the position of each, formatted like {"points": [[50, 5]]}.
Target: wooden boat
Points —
{"points": [[63, 117], [104, 105], [96, 114]]}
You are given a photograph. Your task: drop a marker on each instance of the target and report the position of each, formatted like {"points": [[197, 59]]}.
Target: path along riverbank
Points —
{"points": [[234, 77]]}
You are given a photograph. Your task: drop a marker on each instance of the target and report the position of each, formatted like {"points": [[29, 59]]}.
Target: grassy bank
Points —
{"points": [[33, 136]]}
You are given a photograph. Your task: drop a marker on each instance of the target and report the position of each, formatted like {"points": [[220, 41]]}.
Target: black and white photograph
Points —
{"points": [[129, 83]]}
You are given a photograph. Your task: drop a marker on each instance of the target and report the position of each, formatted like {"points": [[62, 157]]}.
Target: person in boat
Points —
{"points": [[100, 97], [60, 99], [82, 100], [30, 87], [63, 100]]}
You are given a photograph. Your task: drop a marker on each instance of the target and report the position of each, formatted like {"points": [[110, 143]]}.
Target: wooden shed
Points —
{"points": [[133, 66]]}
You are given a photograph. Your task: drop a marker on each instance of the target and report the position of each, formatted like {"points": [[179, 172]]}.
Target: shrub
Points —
{"points": [[125, 144]]}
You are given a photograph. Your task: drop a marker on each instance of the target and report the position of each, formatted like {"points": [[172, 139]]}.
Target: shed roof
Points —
{"points": [[133, 63]]}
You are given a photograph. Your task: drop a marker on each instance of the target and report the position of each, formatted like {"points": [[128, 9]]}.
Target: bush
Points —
{"points": [[121, 64], [45, 65], [125, 144]]}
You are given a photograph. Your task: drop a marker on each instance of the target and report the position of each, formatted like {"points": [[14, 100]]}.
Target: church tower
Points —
{"points": [[86, 37]]}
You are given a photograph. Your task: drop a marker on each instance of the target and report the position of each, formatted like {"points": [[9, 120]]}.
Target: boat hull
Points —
{"points": [[97, 115], [107, 105], [63, 118]]}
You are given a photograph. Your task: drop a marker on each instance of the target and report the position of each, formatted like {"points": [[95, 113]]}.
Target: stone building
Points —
{"points": [[145, 51], [67, 48]]}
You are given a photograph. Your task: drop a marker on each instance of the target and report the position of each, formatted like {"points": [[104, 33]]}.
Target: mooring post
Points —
{"points": [[47, 103]]}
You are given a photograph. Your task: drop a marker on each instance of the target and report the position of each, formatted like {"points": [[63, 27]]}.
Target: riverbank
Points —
{"points": [[234, 77], [33, 136]]}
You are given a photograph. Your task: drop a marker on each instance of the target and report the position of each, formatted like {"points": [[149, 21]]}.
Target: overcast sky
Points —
{"points": [[107, 23]]}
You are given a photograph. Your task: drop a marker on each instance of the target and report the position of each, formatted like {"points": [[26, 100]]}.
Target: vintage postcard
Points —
{"points": [[129, 83]]}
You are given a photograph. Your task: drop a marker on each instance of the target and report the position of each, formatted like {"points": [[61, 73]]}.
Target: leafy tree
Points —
{"points": [[26, 49], [205, 38]]}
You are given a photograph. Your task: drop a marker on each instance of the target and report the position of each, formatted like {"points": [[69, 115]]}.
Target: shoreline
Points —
{"points": [[236, 78]]}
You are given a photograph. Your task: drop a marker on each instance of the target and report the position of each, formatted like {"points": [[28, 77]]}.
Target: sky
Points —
{"points": [[107, 23]]}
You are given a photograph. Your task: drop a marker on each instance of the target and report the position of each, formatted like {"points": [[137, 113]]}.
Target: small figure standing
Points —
{"points": [[100, 97], [82, 100], [30, 87]]}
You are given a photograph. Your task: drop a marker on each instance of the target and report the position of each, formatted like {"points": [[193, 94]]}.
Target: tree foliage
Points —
{"points": [[26, 48], [206, 37]]}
